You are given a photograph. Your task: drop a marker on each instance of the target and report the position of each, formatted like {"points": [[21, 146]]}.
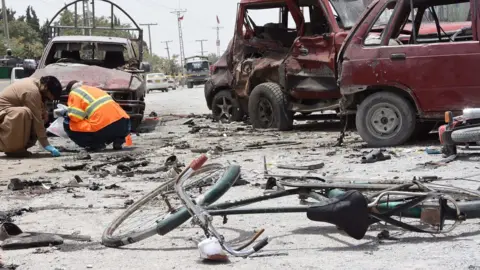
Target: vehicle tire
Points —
{"points": [[385, 119], [268, 107], [190, 85], [467, 135], [171, 220], [225, 106]]}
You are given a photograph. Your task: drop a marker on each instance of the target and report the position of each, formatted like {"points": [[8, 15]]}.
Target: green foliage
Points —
{"points": [[213, 58], [26, 36]]}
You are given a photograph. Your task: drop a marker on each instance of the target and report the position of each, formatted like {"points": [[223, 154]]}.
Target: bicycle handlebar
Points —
{"points": [[201, 215]]}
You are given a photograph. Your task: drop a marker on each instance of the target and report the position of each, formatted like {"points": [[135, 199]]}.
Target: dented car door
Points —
{"points": [[311, 64]]}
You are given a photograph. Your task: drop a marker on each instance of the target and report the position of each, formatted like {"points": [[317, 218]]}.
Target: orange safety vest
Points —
{"points": [[90, 109]]}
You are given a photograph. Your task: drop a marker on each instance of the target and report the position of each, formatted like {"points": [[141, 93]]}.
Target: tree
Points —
{"points": [[213, 58]]}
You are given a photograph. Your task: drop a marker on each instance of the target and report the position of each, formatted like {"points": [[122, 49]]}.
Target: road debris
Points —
{"points": [[311, 167], [374, 156], [75, 166]]}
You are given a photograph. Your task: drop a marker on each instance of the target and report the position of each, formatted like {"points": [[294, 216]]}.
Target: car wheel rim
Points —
{"points": [[224, 108], [265, 112], [384, 120]]}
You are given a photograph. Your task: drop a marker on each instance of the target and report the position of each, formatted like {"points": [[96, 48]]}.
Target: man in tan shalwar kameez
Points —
{"points": [[23, 113]]}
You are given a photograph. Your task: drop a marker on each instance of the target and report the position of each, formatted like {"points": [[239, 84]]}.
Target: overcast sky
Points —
{"points": [[198, 22]]}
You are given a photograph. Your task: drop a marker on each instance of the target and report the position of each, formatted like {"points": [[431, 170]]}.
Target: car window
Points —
{"points": [[452, 18], [377, 32]]}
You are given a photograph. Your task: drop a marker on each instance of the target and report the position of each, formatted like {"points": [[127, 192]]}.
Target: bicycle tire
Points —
{"points": [[232, 173]]}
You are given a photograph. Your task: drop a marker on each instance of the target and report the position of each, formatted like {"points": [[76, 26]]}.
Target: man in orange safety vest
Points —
{"points": [[93, 119]]}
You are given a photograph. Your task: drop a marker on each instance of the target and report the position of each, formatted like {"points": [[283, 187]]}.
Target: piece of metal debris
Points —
{"points": [[75, 166], [129, 202], [84, 156], [304, 167]]}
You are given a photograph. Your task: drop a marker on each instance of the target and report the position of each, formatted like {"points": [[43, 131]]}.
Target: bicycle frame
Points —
{"points": [[407, 207]]}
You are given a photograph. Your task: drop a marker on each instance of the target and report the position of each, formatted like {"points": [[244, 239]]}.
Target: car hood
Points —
{"points": [[104, 78]]}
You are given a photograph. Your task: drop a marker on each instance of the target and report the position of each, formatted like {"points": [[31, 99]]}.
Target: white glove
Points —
{"points": [[60, 112]]}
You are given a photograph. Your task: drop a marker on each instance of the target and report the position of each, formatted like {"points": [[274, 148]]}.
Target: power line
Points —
{"points": [[201, 45], [179, 13], [167, 48], [149, 35]]}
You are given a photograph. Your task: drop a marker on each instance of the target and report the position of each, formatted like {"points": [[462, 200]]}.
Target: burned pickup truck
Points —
{"points": [[400, 87], [113, 64]]}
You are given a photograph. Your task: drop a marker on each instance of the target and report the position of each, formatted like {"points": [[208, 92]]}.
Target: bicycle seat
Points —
{"points": [[348, 211]]}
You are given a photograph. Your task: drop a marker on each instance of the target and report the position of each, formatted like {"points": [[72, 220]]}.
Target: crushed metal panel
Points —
{"points": [[95, 76]]}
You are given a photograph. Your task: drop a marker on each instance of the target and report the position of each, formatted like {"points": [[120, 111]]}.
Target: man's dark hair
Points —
{"points": [[53, 85], [69, 86]]}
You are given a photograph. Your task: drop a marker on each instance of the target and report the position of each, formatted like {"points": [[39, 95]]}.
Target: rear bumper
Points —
{"points": [[198, 79], [158, 86]]}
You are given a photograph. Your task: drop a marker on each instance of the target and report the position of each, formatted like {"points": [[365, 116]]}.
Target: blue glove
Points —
{"points": [[53, 150]]}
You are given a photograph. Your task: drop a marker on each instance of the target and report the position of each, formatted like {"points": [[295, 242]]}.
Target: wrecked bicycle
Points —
{"points": [[351, 207]]}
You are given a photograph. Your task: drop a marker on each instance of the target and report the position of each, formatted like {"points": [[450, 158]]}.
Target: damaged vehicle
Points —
{"points": [[399, 87], [113, 64], [281, 61]]}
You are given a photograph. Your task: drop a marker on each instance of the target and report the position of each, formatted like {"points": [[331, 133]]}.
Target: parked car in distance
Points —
{"points": [[159, 81], [400, 88]]}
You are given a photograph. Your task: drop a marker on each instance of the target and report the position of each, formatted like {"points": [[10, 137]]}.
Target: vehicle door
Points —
{"points": [[440, 68], [310, 66], [260, 33]]}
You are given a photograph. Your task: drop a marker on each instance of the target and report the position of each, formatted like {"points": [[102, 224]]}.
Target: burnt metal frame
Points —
{"points": [[55, 30]]}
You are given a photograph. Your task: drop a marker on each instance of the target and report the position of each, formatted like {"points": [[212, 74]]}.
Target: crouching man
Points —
{"points": [[93, 119]]}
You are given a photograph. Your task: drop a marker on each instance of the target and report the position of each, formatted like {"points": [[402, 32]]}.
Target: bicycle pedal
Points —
{"points": [[210, 249]]}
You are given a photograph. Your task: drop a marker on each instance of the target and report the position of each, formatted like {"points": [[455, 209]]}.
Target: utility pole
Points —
{"points": [[5, 22], [149, 36], [201, 45], [218, 27], [85, 10], [167, 48], [179, 13]]}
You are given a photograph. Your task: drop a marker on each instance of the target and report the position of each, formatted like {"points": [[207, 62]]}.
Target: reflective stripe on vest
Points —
{"points": [[94, 106], [79, 92], [77, 112]]}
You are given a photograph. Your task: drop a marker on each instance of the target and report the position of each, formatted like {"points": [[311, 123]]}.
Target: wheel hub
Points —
{"points": [[265, 112], [225, 107], [385, 119]]}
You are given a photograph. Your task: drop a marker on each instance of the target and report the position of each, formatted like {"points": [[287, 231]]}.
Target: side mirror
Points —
{"points": [[326, 36], [145, 66]]}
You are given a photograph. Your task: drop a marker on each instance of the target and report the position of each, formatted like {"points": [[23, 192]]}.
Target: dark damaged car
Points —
{"points": [[281, 61], [399, 76], [108, 63]]}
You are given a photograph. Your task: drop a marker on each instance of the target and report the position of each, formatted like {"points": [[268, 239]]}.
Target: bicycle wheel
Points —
{"points": [[163, 216]]}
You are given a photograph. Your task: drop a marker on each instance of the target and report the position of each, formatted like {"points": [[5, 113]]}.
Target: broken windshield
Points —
{"points": [[349, 11]]}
